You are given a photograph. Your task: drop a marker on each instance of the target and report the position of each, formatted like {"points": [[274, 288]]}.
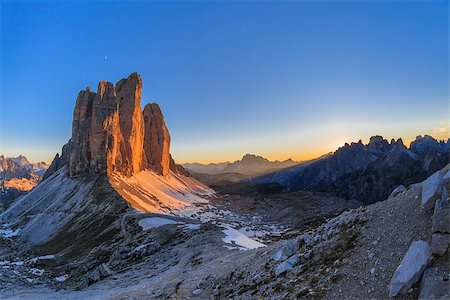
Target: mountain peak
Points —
{"points": [[111, 133]]}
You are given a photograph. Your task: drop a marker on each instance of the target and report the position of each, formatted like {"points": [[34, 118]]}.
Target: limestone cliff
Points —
{"points": [[110, 133]]}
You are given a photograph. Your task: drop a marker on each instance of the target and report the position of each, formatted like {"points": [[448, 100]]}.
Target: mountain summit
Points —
{"points": [[110, 133]]}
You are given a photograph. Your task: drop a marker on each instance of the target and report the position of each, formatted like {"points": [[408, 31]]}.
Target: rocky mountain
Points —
{"points": [[17, 176], [367, 173], [249, 165], [212, 168], [110, 133]]}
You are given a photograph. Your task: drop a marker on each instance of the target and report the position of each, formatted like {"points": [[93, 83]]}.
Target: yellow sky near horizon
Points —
{"points": [[299, 149]]}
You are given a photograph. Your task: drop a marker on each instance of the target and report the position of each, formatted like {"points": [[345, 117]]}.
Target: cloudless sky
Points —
{"points": [[279, 79]]}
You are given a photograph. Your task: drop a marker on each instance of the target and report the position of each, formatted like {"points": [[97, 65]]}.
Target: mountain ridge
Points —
{"points": [[249, 165], [352, 160]]}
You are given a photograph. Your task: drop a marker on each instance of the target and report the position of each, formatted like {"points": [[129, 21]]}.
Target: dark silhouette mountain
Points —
{"points": [[367, 173]]}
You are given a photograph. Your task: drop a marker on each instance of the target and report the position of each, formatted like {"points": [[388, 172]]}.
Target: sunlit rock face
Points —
{"points": [[156, 140], [110, 133]]}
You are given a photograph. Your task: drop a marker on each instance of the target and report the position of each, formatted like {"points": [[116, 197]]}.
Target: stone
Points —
{"points": [[287, 265], [410, 269], [433, 286], [439, 243], [197, 292], [446, 179], [277, 256], [441, 216], [398, 190], [289, 249], [431, 190]]}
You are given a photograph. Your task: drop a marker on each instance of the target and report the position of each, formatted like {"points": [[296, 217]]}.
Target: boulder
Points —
{"points": [[398, 190], [447, 179], [439, 243], [287, 265], [410, 269], [287, 250], [433, 286], [441, 217], [431, 190]]}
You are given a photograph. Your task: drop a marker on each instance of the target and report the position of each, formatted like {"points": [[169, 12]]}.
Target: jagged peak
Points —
{"points": [[109, 129]]}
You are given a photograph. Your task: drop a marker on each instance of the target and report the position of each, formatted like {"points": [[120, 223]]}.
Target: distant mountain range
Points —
{"points": [[367, 173], [20, 168], [17, 176], [249, 165]]}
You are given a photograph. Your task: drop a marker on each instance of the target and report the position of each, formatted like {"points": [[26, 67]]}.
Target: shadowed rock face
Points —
{"points": [[110, 133]]}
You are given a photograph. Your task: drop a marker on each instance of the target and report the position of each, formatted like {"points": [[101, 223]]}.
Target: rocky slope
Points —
{"points": [[359, 254], [367, 173]]}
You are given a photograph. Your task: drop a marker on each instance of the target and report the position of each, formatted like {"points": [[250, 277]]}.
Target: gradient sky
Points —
{"points": [[279, 79]]}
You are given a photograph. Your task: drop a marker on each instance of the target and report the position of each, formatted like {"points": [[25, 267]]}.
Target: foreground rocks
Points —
{"points": [[398, 190], [433, 286], [410, 269], [434, 194], [431, 190]]}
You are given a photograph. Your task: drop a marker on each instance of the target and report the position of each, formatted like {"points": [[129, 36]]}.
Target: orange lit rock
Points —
{"points": [[110, 133], [156, 140]]}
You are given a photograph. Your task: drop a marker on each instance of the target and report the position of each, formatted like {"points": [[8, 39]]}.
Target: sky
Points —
{"points": [[279, 79]]}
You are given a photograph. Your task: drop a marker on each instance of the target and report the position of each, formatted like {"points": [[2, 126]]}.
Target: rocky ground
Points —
{"points": [[350, 256]]}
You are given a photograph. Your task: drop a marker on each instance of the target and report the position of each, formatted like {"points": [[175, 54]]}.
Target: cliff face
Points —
{"points": [[110, 133]]}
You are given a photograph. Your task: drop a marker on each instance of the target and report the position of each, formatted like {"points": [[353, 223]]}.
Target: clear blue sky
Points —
{"points": [[280, 79]]}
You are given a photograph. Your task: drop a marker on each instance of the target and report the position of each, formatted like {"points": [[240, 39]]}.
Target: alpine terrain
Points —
{"points": [[115, 217]]}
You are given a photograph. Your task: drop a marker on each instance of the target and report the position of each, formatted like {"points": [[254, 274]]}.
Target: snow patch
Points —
{"points": [[7, 233], [62, 278], [234, 237]]}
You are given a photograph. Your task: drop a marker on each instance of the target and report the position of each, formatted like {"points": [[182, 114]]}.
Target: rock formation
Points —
{"points": [[156, 139], [110, 133]]}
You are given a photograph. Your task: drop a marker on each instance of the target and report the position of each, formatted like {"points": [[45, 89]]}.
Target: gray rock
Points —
{"points": [[287, 265], [410, 269], [398, 190], [439, 243], [447, 179], [197, 292], [441, 216], [287, 250], [433, 286], [277, 256], [431, 191]]}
